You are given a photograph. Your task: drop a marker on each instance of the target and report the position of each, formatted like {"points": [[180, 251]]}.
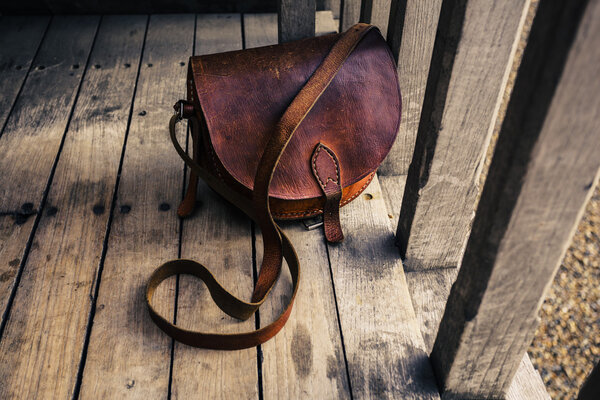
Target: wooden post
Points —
{"points": [[376, 12], [296, 19], [544, 169], [472, 56], [349, 13], [411, 33], [591, 387]]}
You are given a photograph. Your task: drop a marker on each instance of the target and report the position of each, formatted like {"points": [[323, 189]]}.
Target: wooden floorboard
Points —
{"points": [[142, 235], [32, 137], [219, 237], [43, 341], [385, 351], [20, 38], [306, 359]]}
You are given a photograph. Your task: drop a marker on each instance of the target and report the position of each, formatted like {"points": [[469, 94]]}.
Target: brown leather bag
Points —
{"points": [[282, 132]]}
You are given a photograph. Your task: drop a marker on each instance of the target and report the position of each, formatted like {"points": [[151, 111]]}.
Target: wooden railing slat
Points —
{"points": [[411, 33], [296, 19], [349, 13], [472, 55], [376, 12], [591, 387], [545, 166]]}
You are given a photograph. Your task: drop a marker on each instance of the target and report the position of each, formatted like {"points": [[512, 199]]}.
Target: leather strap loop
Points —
{"points": [[326, 169], [276, 245]]}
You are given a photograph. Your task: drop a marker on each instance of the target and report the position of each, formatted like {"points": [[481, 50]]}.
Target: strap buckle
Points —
{"points": [[184, 109], [179, 109], [313, 223]]}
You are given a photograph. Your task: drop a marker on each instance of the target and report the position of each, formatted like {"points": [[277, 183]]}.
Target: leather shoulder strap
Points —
{"points": [[276, 245]]}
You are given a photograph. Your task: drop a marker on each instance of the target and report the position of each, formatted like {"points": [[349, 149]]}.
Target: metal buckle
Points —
{"points": [[180, 111], [313, 223]]}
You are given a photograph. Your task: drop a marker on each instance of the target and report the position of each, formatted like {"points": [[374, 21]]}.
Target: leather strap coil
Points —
{"points": [[276, 245]]}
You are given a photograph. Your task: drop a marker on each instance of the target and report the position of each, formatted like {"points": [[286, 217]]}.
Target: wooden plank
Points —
{"points": [[524, 224], [306, 359], [376, 12], [20, 38], [411, 34], [43, 340], [384, 348], [455, 128], [31, 139], [349, 14], [296, 19], [429, 290], [142, 234], [41, 112], [393, 188], [219, 236]]}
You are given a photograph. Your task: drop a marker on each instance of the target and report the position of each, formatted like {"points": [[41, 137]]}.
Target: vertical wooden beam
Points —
{"points": [[411, 33], [376, 12], [334, 6], [349, 13], [296, 19], [545, 165], [472, 56], [591, 387]]}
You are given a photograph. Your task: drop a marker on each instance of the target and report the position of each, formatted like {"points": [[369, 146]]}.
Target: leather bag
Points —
{"points": [[288, 131]]}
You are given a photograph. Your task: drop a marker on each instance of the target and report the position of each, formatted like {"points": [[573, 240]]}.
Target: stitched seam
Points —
{"points": [[359, 192], [316, 172], [299, 212], [212, 154], [348, 200]]}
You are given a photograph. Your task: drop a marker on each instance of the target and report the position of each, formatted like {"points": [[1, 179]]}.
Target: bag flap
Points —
{"points": [[242, 95]]}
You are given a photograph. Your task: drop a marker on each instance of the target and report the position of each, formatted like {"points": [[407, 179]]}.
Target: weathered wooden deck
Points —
{"points": [[89, 185]]}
